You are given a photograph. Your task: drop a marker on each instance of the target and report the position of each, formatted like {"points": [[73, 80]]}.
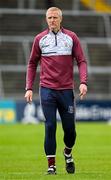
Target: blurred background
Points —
{"points": [[21, 20]]}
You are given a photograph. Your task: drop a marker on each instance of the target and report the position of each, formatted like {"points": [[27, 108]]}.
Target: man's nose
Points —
{"points": [[52, 19]]}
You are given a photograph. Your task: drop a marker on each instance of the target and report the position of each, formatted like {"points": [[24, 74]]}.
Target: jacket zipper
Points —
{"points": [[55, 39]]}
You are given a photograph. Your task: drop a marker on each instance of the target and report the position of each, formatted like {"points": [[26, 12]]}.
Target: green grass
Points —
{"points": [[22, 153]]}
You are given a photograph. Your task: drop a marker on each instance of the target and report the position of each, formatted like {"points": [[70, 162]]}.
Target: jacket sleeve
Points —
{"points": [[32, 64], [80, 58]]}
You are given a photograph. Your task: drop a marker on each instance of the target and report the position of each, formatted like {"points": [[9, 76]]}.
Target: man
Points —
{"points": [[56, 49]]}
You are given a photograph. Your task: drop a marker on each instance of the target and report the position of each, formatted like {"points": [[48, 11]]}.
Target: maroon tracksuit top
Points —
{"points": [[56, 54]]}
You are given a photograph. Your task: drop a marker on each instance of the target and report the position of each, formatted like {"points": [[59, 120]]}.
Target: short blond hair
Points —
{"points": [[54, 9]]}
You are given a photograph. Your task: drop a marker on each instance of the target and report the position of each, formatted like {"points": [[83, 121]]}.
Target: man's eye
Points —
{"points": [[52, 17]]}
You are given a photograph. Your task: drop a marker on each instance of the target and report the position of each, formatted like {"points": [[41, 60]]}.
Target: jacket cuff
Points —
{"points": [[28, 89], [84, 83]]}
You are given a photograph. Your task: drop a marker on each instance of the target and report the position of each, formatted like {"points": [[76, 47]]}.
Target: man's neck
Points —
{"points": [[55, 31]]}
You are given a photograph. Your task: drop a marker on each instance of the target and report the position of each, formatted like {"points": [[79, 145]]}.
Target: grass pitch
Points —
{"points": [[22, 153]]}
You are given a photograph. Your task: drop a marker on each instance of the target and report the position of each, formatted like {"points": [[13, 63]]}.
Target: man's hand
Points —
{"points": [[29, 95], [83, 90]]}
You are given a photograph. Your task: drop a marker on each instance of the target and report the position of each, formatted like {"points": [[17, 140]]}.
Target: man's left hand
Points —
{"points": [[83, 90]]}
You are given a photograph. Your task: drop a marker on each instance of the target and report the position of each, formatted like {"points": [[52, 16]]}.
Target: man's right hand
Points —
{"points": [[29, 95]]}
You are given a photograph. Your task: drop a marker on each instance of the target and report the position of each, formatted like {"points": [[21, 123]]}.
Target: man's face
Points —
{"points": [[53, 19]]}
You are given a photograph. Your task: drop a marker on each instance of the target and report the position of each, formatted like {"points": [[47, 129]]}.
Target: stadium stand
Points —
{"points": [[20, 21], [99, 6], [36, 4]]}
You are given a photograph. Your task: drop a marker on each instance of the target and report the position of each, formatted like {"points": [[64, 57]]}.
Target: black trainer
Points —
{"points": [[51, 170], [70, 166]]}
